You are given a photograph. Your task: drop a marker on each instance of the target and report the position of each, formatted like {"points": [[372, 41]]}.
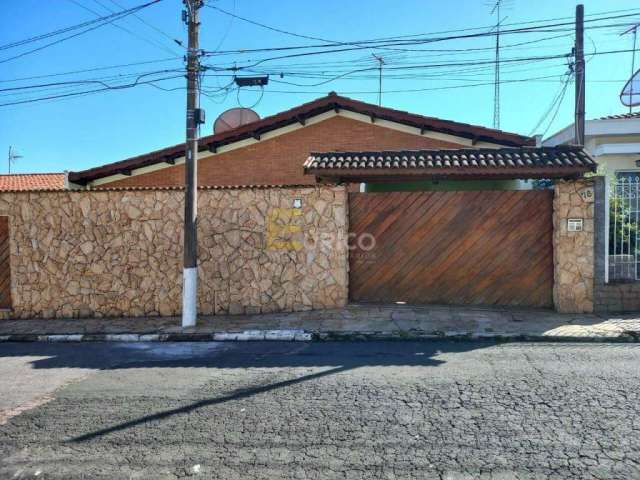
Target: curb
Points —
{"points": [[245, 336], [305, 336]]}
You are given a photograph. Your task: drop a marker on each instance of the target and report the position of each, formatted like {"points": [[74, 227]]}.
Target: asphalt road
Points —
{"points": [[442, 410]]}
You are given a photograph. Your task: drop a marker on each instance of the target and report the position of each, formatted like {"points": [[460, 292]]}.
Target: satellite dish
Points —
{"points": [[234, 118], [630, 95]]}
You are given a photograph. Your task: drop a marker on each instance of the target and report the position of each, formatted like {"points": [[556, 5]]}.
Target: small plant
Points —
{"points": [[623, 221]]}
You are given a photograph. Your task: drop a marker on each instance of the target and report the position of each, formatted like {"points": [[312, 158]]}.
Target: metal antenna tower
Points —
{"points": [[495, 9], [496, 76]]}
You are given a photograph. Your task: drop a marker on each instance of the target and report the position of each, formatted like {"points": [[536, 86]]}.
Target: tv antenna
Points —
{"points": [[12, 157], [634, 77]]}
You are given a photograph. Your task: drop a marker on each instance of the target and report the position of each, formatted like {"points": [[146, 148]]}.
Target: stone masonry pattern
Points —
{"points": [[573, 251], [119, 253], [618, 297]]}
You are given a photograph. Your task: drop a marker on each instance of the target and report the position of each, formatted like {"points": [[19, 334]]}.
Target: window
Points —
{"points": [[628, 176]]}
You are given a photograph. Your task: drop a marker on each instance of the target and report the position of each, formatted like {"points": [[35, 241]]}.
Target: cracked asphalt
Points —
{"points": [[441, 410]]}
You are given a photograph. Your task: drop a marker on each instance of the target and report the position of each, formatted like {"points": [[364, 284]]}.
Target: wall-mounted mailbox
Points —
{"points": [[575, 224]]}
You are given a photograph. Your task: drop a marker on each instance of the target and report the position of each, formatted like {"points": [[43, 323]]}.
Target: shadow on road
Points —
{"points": [[333, 357]]}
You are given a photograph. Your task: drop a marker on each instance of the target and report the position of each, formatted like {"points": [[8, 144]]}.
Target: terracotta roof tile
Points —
{"points": [[621, 116], [32, 181], [508, 162]]}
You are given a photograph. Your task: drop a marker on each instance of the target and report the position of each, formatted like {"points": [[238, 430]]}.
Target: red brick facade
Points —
{"points": [[279, 160]]}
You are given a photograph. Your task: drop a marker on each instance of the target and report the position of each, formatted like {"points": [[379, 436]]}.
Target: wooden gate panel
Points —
{"points": [[5, 264], [473, 247]]}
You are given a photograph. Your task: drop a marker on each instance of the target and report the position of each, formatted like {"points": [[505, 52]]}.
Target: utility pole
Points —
{"points": [[380, 63], [580, 74], [194, 118], [633, 30]]}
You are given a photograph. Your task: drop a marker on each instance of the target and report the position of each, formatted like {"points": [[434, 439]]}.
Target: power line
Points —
{"points": [[150, 25], [106, 88], [403, 40], [120, 27], [545, 79], [563, 86], [73, 27], [94, 25], [93, 69], [124, 65], [276, 81], [324, 52], [64, 30], [469, 65], [428, 89], [226, 33], [275, 29], [559, 104], [82, 82], [258, 24], [464, 63]]}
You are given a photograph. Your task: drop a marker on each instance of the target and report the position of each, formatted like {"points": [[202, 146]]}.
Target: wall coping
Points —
{"points": [[178, 188]]}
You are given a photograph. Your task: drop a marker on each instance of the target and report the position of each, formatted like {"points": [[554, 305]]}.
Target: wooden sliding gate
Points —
{"points": [[460, 248], [5, 264]]}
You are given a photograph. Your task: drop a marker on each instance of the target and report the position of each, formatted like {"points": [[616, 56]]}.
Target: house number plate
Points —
{"points": [[587, 194]]}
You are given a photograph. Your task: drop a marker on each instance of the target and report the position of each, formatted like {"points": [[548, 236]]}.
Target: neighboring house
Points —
{"points": [[613, 141], [272, 151], [32, 181]]}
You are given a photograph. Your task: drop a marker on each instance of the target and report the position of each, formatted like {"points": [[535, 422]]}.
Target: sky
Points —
{"points": [[82, 131]]}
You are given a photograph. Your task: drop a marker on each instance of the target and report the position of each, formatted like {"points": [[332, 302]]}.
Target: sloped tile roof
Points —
{"points": [[332, 101], [621, 116], [513, 161], [32, 181]]}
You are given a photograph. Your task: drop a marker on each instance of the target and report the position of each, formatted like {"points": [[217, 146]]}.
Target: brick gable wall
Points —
{"points": [[279, 160]]}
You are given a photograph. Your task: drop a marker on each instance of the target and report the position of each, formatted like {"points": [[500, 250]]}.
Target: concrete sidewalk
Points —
{"points": [[353, 322]]}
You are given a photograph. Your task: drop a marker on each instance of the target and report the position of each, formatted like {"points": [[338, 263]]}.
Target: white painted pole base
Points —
{"points": [[189, 296]]}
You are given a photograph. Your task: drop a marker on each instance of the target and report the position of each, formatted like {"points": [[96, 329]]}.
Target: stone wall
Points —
{"points": [[573, 251], [617, 297], [119, 253]]}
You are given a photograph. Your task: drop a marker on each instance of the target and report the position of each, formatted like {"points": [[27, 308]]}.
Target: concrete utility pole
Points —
{"points": [[634, 30], [580, 74], [380, 63], [194, 117]]}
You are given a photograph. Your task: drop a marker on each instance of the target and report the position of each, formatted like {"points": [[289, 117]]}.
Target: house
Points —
{"points": [[281, 229], [271, 151], [613, 141]]}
